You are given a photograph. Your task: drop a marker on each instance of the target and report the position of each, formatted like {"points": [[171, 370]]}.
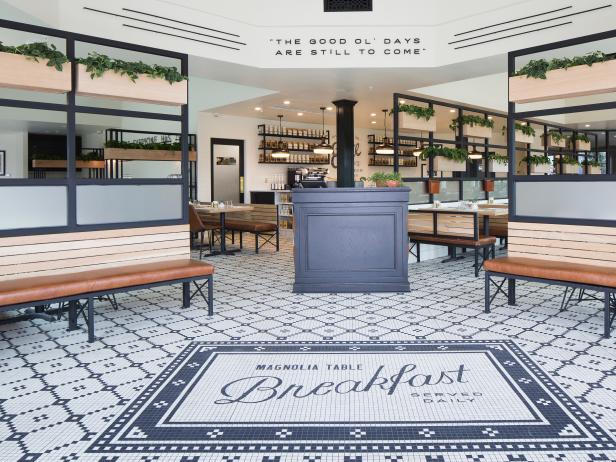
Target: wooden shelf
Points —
{"points": [[147, 154], [289, 149], [295, 163], [21, 73], [62, 164]]}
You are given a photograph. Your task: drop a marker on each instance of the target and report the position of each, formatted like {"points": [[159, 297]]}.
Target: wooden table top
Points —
{"points": [[226, 209], [482, 212]]}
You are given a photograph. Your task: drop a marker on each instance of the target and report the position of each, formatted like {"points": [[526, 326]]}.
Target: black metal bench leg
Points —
{"points": [[511, 291], [487, 293], [90, 319], [418, 252], [210, 295], [186, 294], [476, 262], [277, 239], [256, 242], [241, 240], [72, 315], [606, 316], [201, 245]]}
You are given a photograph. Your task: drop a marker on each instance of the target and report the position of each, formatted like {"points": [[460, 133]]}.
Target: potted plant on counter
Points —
{"points": [[594, 166], [555, 139], [498, 163], [581, 142], [415, 117], [385, 180], [539, 165], [102, 76], [474, 126], [570, 165], [524, 133], [559, 78], [35, 66], [446, 159]]}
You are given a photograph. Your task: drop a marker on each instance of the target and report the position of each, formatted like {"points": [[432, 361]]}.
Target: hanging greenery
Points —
{"points": [[583, 137], [525, 129], [538, 68], [455, 154], [537, 160], [498, 158], [88, 156], [419, 112], [471, 120], [149, 146], [97, 64], [570, 160], [38, 50], [556, 136], [591, 163]]}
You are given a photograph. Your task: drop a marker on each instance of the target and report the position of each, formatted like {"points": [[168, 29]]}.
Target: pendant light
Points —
{"points": [[474, 154], [385, 147], [419, 149], [281, 151], [324, 147]]}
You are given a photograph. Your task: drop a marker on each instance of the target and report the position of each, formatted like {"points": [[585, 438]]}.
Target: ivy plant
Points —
{"points": [[498, 158], [570, 160], [97, 64], [419, 112], [471, 120], [455, 154], [148, 146], [538, 68], [38, 50], [583, 137], [525, 129], [591, 163], [89, 156], [556, 136], [537, 160]]}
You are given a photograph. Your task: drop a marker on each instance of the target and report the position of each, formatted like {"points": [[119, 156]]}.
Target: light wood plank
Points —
{"points": [[565, 237], [563, 228], [561, 244], [583, 261], [562, 252]]}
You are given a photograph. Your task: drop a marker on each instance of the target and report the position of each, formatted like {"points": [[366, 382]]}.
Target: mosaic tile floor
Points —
{"points": [[58, 393]]}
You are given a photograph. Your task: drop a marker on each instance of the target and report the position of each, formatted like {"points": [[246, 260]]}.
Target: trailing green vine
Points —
{"points": [[583, 137], [419, 112], [36, 51], [537, 160], [471, 120], [556, 136], [455, 154], [97, 64], [149, 146], [89, 156], [591, 163], [525, 129], [498, 158], [538, 68], [569, 160]]}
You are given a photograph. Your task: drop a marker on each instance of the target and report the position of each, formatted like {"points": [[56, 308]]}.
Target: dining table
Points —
{"points": [[222, 212], [484, 212]]}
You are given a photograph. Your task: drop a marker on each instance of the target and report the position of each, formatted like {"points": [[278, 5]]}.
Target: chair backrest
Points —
{"points": [[444, 224], [262, 213], [196, 225]]}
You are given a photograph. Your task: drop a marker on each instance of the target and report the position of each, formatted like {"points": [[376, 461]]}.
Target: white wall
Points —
{"points": [[16, 146]]}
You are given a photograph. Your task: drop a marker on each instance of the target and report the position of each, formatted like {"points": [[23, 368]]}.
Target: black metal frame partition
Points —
{"points": [[72, 109], [513, 115], [461, 142]]}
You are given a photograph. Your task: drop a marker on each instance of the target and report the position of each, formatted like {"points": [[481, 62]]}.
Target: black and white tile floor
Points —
{"points": [[57, 392]]}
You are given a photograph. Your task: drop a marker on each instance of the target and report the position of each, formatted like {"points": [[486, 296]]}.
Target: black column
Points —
{"points": [[345, 142]]}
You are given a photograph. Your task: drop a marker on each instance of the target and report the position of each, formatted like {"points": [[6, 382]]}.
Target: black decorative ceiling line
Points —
{"points": [[513, 20], [117, 15], [531, 24], [179, 36], [514, 35], [179, 22]]}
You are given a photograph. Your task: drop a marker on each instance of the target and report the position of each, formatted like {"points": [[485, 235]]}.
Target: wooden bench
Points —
{"points": [[499, 226], [74, 286], [263, 221], [578, 257], [459, 229]]}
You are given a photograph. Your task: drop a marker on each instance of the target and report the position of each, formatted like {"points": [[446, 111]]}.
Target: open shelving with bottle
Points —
{"points": [[300, 150], [407, 159], [284, 202]]}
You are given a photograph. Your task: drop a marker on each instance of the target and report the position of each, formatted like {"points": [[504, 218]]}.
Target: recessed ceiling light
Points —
{"points": [[374, 121], [287, 102], [258, 108], [329, 108], [300, 114], [587, 125], [489, 117], [452, 110], [373, 115], [402, 101]]}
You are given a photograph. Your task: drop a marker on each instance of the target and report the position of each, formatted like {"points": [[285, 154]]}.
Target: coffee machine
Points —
{"points": [[307, 177]]}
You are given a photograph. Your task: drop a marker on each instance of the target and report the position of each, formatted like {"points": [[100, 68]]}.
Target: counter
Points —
{"points": [[351, 240]]}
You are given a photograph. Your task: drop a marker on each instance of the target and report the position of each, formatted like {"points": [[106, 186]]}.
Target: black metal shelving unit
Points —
{"points": [[373, 155], [265, 149]]}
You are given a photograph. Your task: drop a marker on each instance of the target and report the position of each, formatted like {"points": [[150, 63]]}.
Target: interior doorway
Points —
{"points": [[227, 160]]}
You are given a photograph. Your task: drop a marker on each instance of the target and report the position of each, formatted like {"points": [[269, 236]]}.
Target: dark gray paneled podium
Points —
{"points": [[351, 240]]}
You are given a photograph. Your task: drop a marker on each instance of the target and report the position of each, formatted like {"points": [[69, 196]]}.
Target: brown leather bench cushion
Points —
{"points": [[250, 226], [41, 288], [452, 240], [554, 270]]}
